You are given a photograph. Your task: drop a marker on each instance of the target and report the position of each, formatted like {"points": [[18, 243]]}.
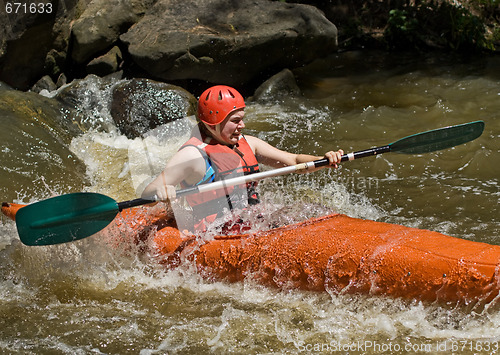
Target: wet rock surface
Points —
{"points": [[35, 147], [216, 41], [140, 105], [226, 41]]}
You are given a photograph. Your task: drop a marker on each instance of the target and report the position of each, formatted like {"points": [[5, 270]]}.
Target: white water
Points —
{"points": [[84, 298]]}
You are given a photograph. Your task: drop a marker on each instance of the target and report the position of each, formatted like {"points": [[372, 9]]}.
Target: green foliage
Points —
{"points": [[463, 29], [436, 24], [403, 29], [495, 36], [351, 32], [488, 8]]}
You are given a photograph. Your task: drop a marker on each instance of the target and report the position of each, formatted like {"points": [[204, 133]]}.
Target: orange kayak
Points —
{"points": [[335, 253]]}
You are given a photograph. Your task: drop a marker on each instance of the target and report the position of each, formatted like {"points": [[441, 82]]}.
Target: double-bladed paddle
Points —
{"points": [[75, 216]]}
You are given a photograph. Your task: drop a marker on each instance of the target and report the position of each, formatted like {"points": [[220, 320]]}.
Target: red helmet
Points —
{"points": [[217, 102]]}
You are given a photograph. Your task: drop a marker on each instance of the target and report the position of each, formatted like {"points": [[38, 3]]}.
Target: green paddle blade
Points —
{"points": [[438, 139], [65, 218]]}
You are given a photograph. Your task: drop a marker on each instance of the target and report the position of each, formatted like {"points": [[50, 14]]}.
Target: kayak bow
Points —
{"points": [[335, 253]]}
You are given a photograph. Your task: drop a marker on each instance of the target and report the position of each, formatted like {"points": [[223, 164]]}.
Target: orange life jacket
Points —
{"points": [[223, 162]]}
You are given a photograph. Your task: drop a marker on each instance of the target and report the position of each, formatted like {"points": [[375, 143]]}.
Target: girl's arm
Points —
{"points": [[277, 158], [186, 165]]}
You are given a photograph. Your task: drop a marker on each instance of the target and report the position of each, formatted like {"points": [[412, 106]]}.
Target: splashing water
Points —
{"points": [[85, 298]]}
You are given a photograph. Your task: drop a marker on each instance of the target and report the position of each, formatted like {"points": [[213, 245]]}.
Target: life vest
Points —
{"points": [[223, 162]]}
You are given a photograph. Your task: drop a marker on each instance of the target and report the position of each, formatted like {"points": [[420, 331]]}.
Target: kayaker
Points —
{"points": [[218, 150]]}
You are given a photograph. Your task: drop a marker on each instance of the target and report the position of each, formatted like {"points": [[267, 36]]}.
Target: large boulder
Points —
{"points": [[36, 157], [89, 99], [140, 105], [23, 45], [276, 87], [33, 44], [219, 41], [226, 41], [99, 26]]}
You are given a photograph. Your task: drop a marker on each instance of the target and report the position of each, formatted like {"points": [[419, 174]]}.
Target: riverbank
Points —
{"points": [[192, 44], [183, 42], [461, 26]]}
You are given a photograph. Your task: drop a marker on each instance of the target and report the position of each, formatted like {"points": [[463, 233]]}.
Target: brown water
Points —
{"points": [[83, 298]]}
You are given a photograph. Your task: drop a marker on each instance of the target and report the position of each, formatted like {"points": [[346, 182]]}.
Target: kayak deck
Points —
{"points": [[348, 255], [335, 253]]}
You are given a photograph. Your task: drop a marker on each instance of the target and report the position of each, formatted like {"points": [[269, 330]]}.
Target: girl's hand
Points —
{"points": [[334, 157], [165, 193]]}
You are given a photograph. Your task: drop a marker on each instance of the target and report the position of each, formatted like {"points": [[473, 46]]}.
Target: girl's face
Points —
{"points": [[231, 127]]}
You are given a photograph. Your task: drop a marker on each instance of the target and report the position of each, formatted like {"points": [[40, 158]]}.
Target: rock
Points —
{"points": [[218, 41], [35, 44], [45, 112], [45, 83], [100, 25], [140, 105], [35, 146], [55, 62], [276, 87], [90, 99], [106, 64], [28, 39], [4, 86], [61, 80], [225, 41]]}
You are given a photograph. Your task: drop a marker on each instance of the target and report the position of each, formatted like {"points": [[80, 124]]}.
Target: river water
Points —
{"points": [[83, 298]]}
